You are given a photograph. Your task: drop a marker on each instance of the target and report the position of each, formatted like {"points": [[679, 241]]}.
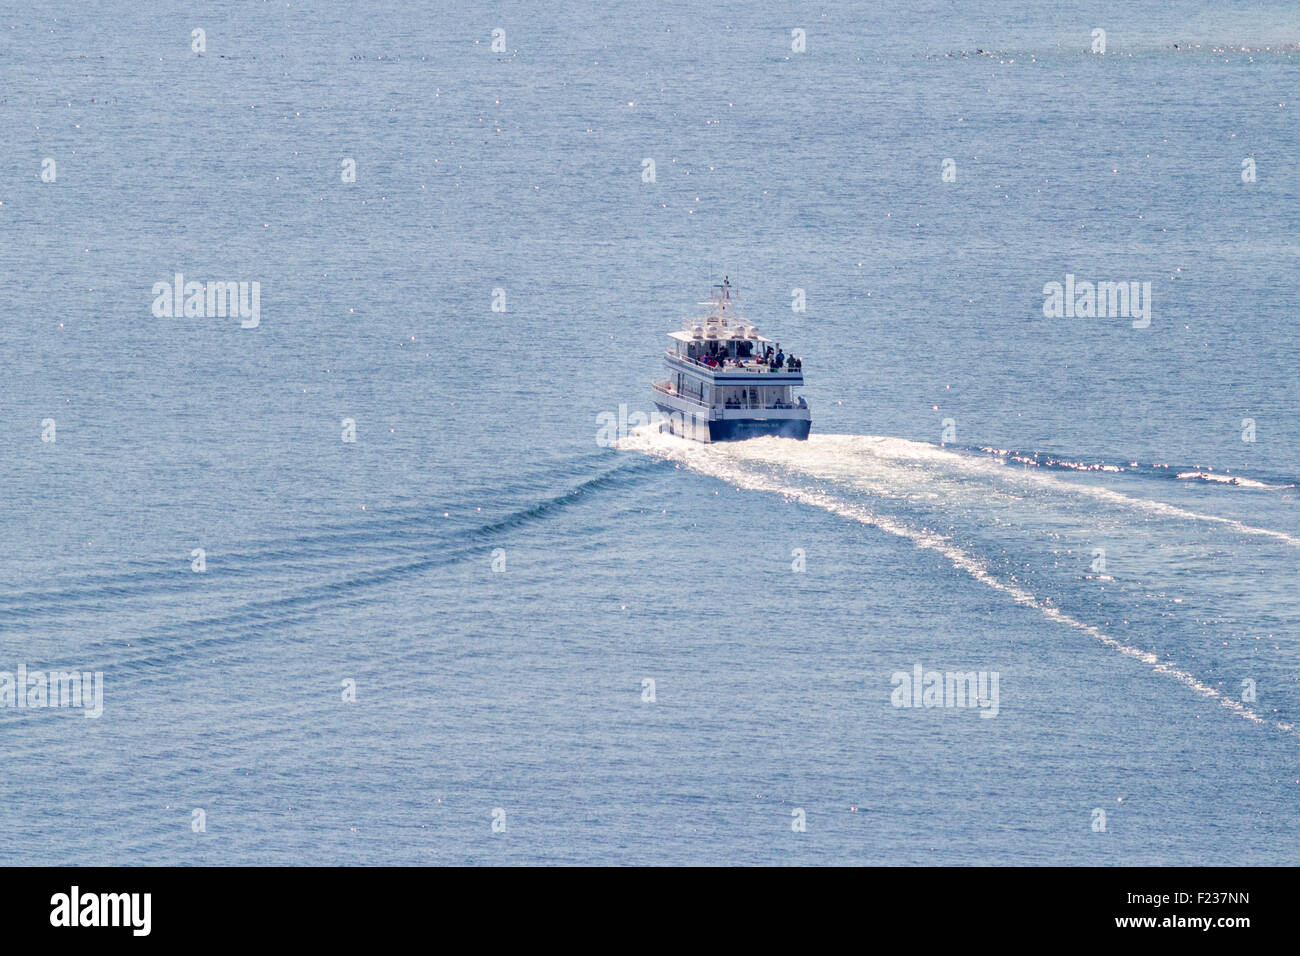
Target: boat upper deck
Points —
{"points": [[732, 366], [723, 344]]}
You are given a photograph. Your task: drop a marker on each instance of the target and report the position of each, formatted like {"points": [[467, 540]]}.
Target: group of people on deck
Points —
{"points": [[774, 359]]}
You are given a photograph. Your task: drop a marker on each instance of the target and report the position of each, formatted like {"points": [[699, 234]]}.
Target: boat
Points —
{"points": [[725, 381]]}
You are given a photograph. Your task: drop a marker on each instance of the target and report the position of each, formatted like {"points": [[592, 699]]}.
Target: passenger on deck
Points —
{"points": [[780, 359]]}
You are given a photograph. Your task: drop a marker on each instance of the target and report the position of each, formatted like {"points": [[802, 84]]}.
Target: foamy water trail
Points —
{"points": [[728, 462], [901, 449], [1235, 480]]}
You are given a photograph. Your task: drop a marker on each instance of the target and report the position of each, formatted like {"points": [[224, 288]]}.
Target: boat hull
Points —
{"points": [[699, 428]]}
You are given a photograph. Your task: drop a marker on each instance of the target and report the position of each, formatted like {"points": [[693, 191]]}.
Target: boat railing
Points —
{"points": [[757, 368], [773, 406], [667, 389]]}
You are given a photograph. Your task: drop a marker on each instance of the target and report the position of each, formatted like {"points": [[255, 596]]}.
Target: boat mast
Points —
{"points": [[722, 298]]}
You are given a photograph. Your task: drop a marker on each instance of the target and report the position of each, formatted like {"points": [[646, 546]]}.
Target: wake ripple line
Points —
{"points": [[411, 532], [178, 640]]}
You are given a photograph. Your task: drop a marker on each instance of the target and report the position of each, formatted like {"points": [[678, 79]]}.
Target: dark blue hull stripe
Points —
{"points": [[737, 429]]}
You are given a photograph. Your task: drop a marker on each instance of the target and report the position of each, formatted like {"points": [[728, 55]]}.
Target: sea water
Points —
{"points": [[364, 584]]}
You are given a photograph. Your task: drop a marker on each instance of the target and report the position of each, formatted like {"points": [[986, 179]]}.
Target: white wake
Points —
{"points": [[888, 468]]}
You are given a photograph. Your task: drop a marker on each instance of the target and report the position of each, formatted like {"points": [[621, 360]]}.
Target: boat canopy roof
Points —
{"points": [[722, 335]]}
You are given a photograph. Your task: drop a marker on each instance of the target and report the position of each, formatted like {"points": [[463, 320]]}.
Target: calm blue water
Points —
{"points": [[521, 690]]}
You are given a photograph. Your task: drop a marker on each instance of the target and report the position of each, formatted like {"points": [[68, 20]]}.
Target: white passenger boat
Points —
{"points": [[726, 382]]}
